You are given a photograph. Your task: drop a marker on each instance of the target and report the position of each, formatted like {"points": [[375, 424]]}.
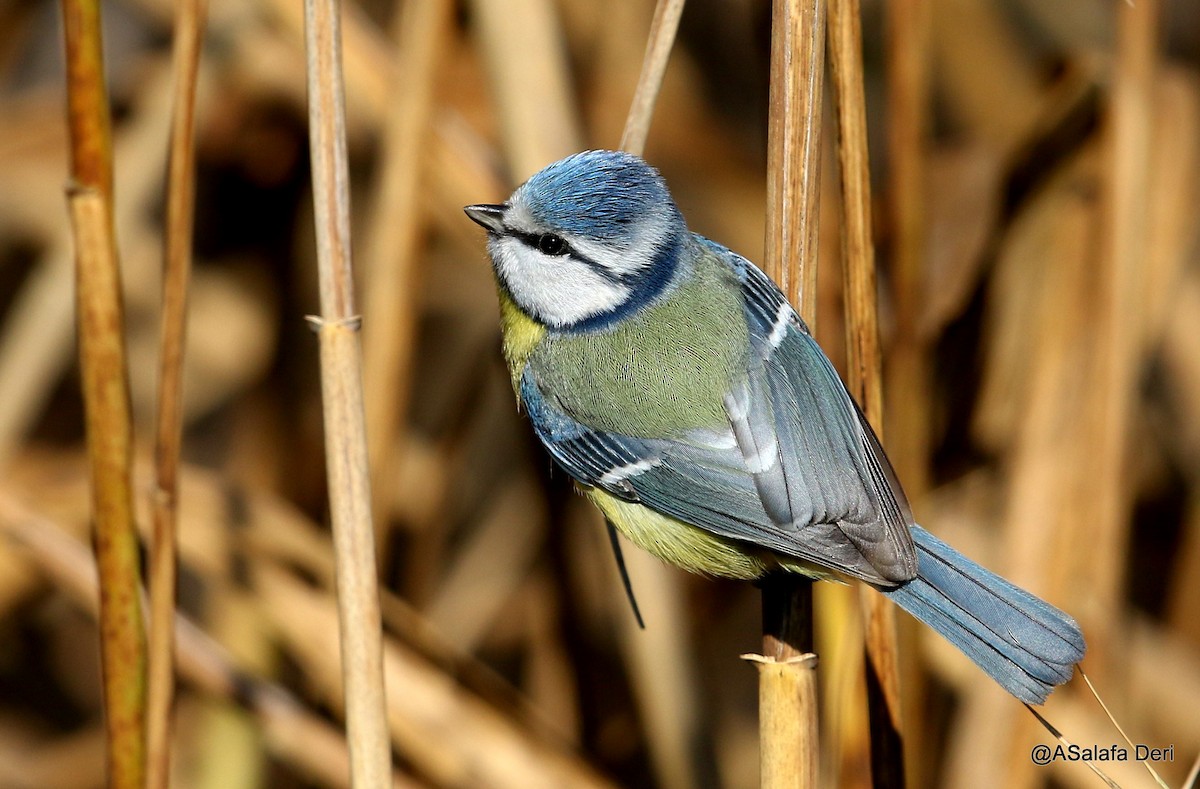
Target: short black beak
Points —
{"points": [[490, 217]]}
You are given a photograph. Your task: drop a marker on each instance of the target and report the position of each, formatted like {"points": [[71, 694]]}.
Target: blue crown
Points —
{"points": [[596, 194]]}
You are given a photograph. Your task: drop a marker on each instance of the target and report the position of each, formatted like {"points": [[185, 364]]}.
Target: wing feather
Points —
{"points": [[799, 472]]}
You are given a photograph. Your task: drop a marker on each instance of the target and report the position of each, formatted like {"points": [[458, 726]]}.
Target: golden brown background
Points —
{"points": [[1040, 314]]}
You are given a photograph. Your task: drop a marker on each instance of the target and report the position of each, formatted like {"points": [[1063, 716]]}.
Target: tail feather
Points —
{"points": [[1023, 642]]}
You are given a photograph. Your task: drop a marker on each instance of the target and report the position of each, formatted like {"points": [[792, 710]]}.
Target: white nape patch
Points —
{"points": [[621, 473], [558, 290], [632, 254], [764, 459], [779, 330]]}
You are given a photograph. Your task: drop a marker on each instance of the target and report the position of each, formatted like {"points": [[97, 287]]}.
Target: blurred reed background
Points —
{"points": [[1035, 169]]}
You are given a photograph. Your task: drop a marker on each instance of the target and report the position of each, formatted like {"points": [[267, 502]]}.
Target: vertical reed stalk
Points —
{"points": [[787, 673], [1119, 321], [654, 66], [908, 34], [341, 392], [105, 395], [864, 363], [177, 265]]}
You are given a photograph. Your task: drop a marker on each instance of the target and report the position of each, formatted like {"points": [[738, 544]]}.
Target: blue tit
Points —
{"points": [[672, 380]]}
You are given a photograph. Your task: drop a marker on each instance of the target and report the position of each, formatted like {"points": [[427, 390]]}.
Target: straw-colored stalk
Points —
{"points": [[521, 45], [341, 393], [864, 363], [1119, 322], [654, 66], [105, 395], [189, 31], [787, 675], [908, 32], [293, 735]]}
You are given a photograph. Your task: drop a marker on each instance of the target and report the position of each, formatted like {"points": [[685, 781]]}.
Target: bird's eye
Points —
{"points": [[550, 244]]}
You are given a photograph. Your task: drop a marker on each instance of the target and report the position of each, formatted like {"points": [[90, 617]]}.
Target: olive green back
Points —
{"points": [[660, 373]]}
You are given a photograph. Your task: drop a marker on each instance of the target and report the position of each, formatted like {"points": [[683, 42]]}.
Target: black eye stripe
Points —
{"points": [[532, 240], [536, 241], [550, 244]]}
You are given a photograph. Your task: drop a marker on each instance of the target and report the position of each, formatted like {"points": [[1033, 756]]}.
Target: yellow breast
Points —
{"points": [[521, 334]]}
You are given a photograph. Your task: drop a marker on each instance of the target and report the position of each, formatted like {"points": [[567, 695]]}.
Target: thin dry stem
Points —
{"points": [[1193, 776], [341, 392], [788, 691], [1113, 720], [654, 66], [1056, 734], [189, 32], [864, 363], [106, 396], [522, 47]]}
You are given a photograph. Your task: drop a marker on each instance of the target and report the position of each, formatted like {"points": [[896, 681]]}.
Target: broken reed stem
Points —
{"points": [[106, 396], [864, 364], [342, 398], [654, 65], [177, 265], [787, 677]]}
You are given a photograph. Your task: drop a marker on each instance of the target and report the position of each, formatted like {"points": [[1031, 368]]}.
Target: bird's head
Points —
{"points": [[586, 241]]}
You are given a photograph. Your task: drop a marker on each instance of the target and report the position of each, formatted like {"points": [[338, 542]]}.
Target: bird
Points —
{"points": [[670, 378]]}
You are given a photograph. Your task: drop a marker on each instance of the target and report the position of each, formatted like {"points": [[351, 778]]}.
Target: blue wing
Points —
{"points": [[798, 471]]}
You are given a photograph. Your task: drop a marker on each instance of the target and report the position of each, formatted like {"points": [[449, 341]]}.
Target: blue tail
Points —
{"points": [[1024, 643]]}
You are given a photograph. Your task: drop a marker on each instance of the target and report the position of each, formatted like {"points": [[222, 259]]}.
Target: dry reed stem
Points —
{"points": [[34, 345], [1193, 776], [293, 734], [491, 565], [189, 33], [530, 79], [109, 430], [794, 149], [864, 364], [341, 394], [37, 343], [450, 737], [422, 30], [908, 102], [654, 66], [106, 396], [662, 666], [985, 66], [787, 675], [1119, 323]]}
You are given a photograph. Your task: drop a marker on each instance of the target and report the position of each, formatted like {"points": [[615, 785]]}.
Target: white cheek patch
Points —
{"points": [[635, 253], [629, 255], [559, 290]]}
